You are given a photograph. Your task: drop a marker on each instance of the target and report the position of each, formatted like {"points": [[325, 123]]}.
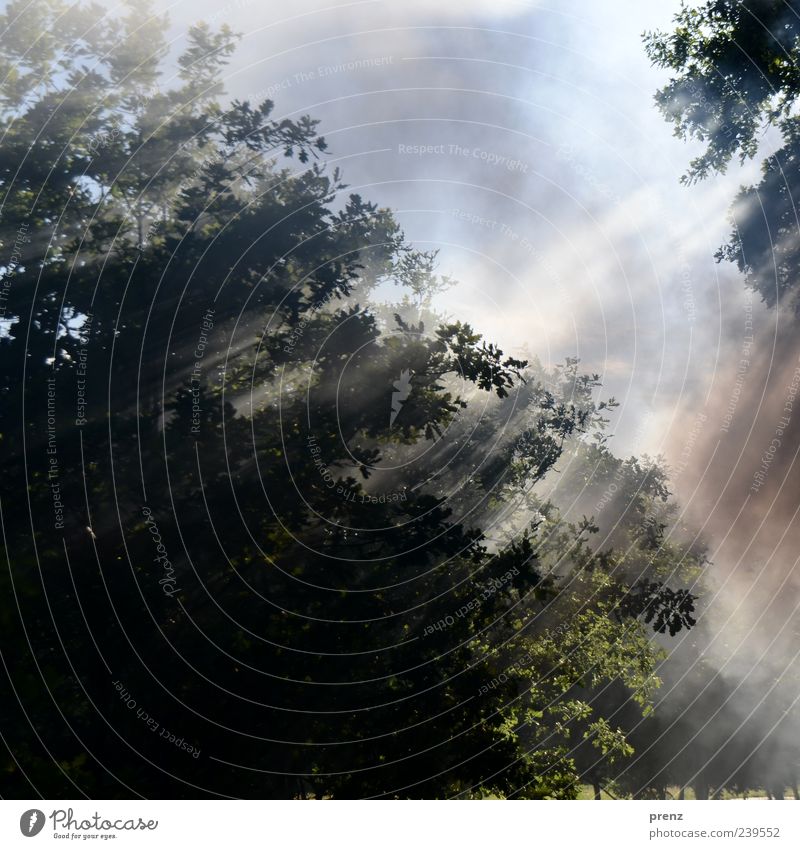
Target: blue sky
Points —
{"points": [[521, 140]]}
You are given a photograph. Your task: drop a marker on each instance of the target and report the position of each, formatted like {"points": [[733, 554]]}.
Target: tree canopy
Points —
{"points": [[269, 535], [736, 78]]}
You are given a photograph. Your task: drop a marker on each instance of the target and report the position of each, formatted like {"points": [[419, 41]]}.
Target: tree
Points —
{"points": [[252, 546], [736, 75], [736, 78]]}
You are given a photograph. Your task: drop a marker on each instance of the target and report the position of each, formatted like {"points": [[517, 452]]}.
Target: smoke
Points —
{"points": [[502, 135], [735, 453], [737, 473]]}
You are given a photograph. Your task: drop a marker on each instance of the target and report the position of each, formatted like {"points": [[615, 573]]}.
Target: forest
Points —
{"points": [[276, 524]]}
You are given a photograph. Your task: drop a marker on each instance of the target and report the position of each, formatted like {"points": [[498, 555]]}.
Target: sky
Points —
{"points": [[521, 140]]}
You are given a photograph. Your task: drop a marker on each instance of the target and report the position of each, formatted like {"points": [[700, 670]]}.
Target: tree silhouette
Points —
{"points": [[736, 74], [237, 565]]}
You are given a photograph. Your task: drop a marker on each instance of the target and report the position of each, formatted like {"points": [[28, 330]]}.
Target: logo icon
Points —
{"points": [[402, 390], [31, 822]]}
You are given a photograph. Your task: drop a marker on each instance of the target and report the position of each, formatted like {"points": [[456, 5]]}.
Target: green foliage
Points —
{"points": [[331, 614], [736, 75]]}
